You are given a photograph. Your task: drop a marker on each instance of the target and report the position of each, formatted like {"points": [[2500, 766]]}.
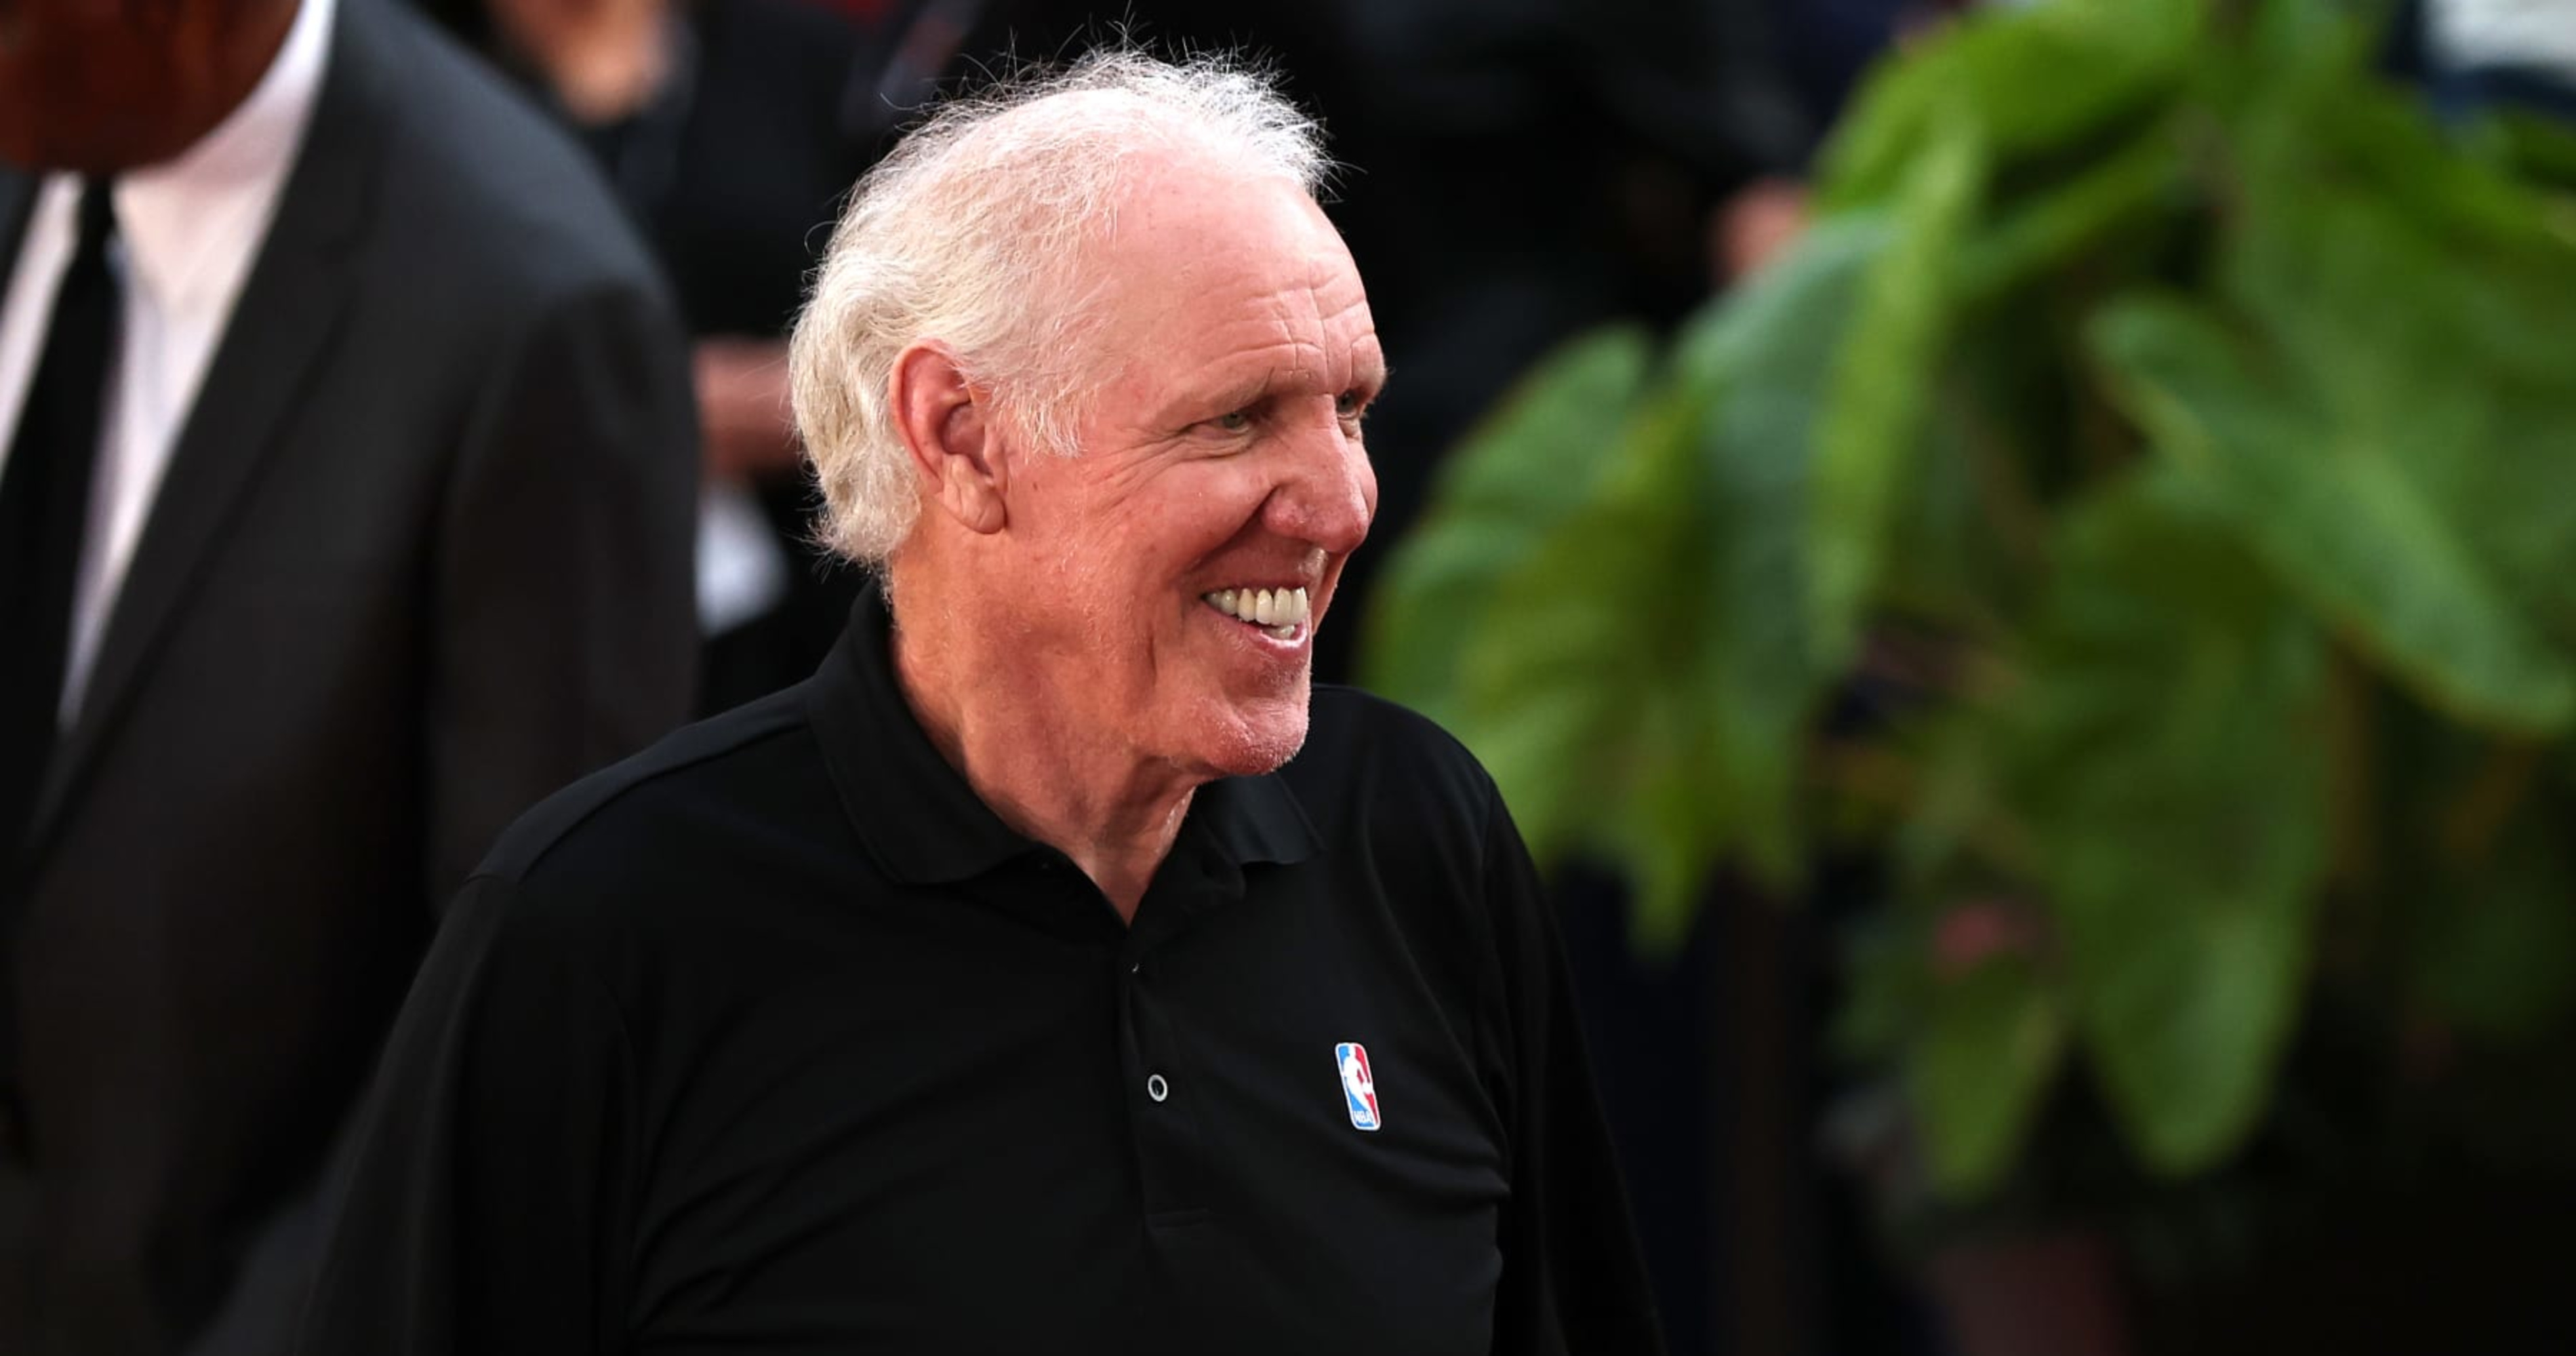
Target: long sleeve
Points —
{"points": [[564, 598], [1573, 1282], [484, 1201]]}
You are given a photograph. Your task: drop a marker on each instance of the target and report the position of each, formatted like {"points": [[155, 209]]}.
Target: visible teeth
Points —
{"points": [[1280, 610]]}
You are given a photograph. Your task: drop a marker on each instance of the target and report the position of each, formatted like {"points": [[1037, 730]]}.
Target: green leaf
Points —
{"points": [[2037, 80], [2534, 148], [1510, 482], [1882, 376], [2168, 754], [1668, 825], [2330, 507], [1766, 357], [1991, 1046], [1588, 632], [2442, 261], [2426, 326], [2111, 195], [2309, 112]]}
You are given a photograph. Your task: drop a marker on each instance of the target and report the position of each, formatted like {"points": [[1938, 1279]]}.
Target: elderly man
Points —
{"points": [[1006, 987]]}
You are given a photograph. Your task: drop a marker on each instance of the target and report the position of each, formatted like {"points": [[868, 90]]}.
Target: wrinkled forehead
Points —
{"points": [[1197, 256], [1173, 207]]}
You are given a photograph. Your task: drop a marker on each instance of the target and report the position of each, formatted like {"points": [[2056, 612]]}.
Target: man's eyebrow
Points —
{"points": [[1206, 393], [1248, 389], [1202, 395]]}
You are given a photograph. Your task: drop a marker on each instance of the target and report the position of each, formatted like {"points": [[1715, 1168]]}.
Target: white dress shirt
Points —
{"points": [[187, 232]]}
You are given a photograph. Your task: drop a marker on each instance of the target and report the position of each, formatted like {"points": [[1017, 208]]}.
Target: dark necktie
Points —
{"points": [[44, 513]]}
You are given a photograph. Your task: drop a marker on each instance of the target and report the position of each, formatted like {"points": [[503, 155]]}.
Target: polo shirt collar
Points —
{"points": [[922, 822]]}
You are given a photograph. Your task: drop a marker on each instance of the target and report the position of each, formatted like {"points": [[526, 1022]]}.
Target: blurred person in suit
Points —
{"points": [[720, 124], [344, 513]]}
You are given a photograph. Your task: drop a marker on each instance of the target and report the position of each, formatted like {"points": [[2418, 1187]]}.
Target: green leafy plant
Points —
{"points": [[2140, 515]]}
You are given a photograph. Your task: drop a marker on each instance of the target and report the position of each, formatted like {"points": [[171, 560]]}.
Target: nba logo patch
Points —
{"points": [[1359, 1090]]}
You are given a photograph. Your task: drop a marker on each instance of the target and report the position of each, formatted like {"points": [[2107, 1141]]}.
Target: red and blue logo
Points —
{"points": [[1359, 1088]]}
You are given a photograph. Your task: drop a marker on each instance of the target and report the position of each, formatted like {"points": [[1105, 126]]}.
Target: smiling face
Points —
{"points": [[1220, 458]]}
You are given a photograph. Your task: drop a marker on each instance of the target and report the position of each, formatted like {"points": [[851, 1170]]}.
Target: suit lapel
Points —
{"points": [[273, 347]]}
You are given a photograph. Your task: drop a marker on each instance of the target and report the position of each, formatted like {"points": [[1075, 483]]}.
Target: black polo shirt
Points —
{"points": [[776, 1039]]}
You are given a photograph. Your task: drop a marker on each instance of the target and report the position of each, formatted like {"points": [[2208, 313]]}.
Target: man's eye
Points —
{"points": [[1237, 421], [1349, 404]]}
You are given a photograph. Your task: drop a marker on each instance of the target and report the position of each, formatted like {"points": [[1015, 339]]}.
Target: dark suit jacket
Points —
{"points": [[422, 555], [735, 174]]}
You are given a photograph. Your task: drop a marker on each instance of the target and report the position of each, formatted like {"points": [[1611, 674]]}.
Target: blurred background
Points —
{"points": [[2016, 563]]}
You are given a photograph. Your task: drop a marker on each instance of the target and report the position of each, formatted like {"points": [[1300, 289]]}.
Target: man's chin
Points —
{"points": [[1259, 740]]}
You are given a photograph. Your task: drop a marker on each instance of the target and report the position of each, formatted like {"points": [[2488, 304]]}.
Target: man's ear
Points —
{"points": [[949, 429]]}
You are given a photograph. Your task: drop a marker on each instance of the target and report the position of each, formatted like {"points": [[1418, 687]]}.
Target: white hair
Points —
{"points": [[972, 232]]}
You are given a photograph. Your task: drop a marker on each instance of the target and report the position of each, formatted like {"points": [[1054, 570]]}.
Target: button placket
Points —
{"points": [[1158, 1087], [1169, 1144]]}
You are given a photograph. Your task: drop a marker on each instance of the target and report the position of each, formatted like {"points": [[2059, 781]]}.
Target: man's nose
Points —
{"points": [[1330, 493]]}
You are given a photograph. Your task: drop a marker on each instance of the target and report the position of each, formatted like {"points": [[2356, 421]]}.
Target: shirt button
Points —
{"points": [[1156, 1088]]}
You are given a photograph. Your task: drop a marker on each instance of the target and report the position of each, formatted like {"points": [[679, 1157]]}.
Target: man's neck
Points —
{"points": [[1115, 815]]}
